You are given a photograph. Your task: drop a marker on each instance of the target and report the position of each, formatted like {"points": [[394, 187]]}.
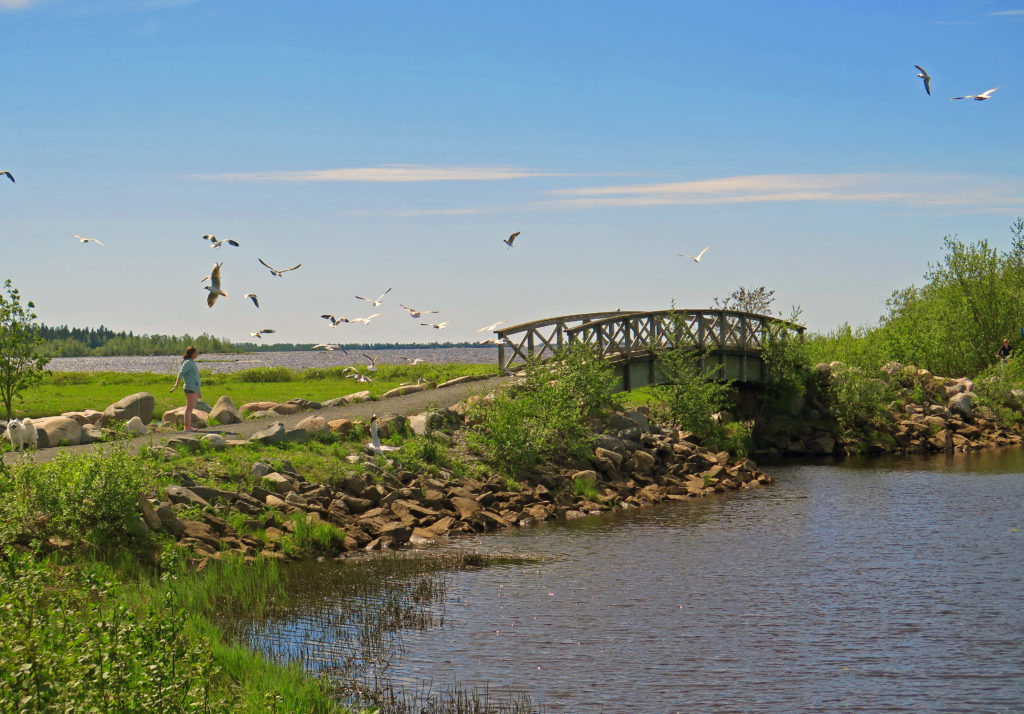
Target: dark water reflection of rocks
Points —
{"points": [[878, 586]]}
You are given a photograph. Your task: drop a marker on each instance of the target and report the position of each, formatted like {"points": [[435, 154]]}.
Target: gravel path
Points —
{"points": [[404, 405]]}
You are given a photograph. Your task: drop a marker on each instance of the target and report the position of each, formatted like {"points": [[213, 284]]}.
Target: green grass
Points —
{"points": [[60, 392]]}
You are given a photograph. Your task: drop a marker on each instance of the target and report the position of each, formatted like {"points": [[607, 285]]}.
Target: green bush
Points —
{"points": [[91, 495], [264, 374], [859, 401], [546, 416]]}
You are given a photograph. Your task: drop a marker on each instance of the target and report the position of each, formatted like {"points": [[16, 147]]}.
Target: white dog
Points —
{"points": [[22, 433]]}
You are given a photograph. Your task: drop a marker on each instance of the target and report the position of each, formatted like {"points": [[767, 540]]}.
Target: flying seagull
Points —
{"points": [[927, 80], [375, 444], [83, 239], [492, 341], [214, 286], [435, 325], [418, 360], [8, 174], [378, 301], [413, 313], [259, 333], [214, 243], [978, 97], [511, 239], [335, 321], [329, 347], [366, 320], [373, 362], [252, 296], [696, 258], [275, 272], [490, 328]]}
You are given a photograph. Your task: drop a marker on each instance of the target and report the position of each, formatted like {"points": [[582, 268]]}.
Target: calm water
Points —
{"points": [[881, 587], [224, 364]]}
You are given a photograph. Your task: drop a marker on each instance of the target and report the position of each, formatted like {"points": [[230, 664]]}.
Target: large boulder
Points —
{"points": [[960, 404], [57, 431], [140, 404], [176, 417], [225, 412]]}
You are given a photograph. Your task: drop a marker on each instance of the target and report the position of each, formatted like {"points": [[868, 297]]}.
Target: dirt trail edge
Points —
{"points": [[404, 405]]}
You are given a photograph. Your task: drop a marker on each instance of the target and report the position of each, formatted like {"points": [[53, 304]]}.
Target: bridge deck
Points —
{"points": [[728, 342]]}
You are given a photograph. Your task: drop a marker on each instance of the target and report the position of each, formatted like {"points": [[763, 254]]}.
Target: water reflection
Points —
{"points": [[861, 586]]}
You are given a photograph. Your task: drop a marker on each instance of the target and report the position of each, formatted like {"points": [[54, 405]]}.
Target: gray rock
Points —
{"points": [[225, 411], [170, 521], [215, 440], [961, 404], [273, 434], [185, 495], [149, 514], [640, 419], [58, 430], [135, 427], [140, 404]]}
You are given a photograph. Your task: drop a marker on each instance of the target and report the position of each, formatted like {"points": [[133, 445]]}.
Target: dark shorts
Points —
{"points": [[191, 391]]}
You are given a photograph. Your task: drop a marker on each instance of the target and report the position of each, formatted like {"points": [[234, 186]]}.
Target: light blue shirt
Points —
{"points": [[190, 373]]}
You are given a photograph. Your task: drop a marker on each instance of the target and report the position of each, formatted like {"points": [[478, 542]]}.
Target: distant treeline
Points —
{"points": [[67, 341]]}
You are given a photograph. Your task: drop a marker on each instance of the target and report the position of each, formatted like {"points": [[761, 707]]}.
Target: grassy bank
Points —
{"points": [[74, 391]]}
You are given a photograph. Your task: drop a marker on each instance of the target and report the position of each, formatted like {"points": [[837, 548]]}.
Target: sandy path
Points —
{"points": [[404, 405]]}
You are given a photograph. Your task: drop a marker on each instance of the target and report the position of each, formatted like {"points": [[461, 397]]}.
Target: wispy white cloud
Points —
{"points": [[1008, 13], [388, 173], [17, 4], [921, 190]]}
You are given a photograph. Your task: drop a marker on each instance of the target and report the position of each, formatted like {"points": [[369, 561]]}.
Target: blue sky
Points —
{"points": [[395, 145]]}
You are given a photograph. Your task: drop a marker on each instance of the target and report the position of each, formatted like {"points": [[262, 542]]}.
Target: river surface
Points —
{"points": [[295, 360], [879, 586]]}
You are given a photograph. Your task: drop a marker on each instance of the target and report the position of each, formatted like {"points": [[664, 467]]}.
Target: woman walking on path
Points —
{"points": [[189, 372]]}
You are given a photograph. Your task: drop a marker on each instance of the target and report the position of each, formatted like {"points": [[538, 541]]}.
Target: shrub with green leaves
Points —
{"points": [[689, 397], [546, 416], [264, 374], [859, 401], [91, 495]]}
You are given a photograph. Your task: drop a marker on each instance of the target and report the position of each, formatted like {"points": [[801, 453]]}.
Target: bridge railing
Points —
{"points": [[620, 335]]}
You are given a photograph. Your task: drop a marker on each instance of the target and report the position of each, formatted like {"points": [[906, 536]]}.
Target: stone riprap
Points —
{"points": [[634, 463]]}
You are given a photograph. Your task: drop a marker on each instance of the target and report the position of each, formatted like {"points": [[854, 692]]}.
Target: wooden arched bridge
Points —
{"points": [[727, 342]]}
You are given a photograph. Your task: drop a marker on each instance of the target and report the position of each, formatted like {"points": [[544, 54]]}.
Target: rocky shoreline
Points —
{"points": [[930, 414], [635, 463]]}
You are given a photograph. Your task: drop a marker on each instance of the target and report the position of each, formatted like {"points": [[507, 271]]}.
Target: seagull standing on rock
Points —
{"points": [[375, 444]]}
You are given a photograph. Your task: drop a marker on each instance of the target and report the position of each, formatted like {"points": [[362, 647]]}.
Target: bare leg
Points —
{"points": [[190, 403]]}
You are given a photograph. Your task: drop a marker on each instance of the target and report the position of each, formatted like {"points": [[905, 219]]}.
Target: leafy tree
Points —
{"points": [[756, 300], [21, 363]]}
